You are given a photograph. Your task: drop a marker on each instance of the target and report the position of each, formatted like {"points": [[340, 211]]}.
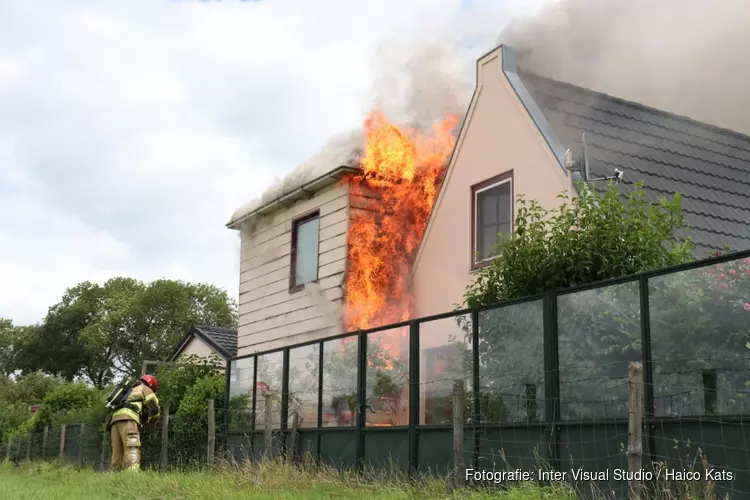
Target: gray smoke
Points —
{"points": [[689, 57]]}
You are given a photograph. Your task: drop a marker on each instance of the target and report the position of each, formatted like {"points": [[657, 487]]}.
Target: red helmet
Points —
{"points": [[150, 381]]}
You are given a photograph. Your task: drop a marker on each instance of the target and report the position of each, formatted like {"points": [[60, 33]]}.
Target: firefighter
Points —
{"points": [[141, 408]]}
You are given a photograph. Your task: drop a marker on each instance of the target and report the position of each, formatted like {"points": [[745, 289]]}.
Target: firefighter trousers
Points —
{"points": [[126, 445]]}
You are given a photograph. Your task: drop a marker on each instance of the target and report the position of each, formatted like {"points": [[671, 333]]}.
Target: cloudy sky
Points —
{"points": [[131, 130]]}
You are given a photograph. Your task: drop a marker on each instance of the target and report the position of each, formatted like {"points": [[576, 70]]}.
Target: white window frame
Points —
{"points": [[476, 216]]}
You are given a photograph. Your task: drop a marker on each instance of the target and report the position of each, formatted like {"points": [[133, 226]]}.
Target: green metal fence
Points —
{"points": [[546, 381]]}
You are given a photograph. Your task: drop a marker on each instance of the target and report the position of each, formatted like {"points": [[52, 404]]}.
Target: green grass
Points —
{"points": [[39, 481]]}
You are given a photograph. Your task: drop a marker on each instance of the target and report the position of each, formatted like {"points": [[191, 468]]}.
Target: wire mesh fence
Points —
{"points": [[500, 438]]}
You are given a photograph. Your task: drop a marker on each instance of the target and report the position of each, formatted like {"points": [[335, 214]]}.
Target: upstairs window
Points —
{"points": [[305, 239], [492, 213]]}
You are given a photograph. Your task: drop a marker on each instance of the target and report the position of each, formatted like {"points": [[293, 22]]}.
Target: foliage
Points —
{"points": [[589, 238], [175, 380], [103, 332], [8, 346], [68, 398], [699, 318], [28, 389]]}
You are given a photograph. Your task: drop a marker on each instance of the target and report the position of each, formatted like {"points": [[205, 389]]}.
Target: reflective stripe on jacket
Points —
{"points": [[143, 406]]}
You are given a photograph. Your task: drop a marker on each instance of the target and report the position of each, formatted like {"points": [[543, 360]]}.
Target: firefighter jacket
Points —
{"points": [[142, 406]]}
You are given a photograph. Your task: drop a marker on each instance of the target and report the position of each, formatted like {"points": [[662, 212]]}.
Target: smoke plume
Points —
{"points": [[688, 57]]}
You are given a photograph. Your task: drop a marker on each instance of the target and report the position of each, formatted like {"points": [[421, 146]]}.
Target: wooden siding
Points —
{"points": [[270, 316]]}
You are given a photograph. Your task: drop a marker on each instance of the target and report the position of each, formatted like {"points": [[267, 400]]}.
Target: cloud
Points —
{"points": [[130, 131]]}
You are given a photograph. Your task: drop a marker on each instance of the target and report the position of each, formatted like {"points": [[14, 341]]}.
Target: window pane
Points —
{"points": [[306, 265], [511, 363], [488, 241], [268, 388], [487, 208], [700, 334], [340, 382], [599, 333], [445, 356], [303, 385], [494, 215], [240, 394], [387, 377]]}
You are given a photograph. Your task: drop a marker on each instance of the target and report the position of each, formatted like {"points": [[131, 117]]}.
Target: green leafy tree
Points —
{"points": [[102, 333], [8, 346], [68, 398], [176, 380]]}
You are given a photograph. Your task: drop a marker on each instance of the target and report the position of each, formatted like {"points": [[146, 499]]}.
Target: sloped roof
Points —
{"points": [[340, 151], [708, 165], [222, 340]]}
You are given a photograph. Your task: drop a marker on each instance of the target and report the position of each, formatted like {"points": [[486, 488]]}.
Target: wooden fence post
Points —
{"points": [[103, 457], [635, 426], [292, 449], [458, 433], [268, 430], [28, 447], [211, 432], [61, 456], [45, 436], [81, 444], [165, 436], [10, 447]]}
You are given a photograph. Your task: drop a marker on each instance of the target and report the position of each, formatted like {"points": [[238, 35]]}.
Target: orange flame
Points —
{"points": [[392, 199]]}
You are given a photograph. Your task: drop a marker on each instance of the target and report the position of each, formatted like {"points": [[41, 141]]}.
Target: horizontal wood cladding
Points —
{"points": [[268, 311], [260, 345]]}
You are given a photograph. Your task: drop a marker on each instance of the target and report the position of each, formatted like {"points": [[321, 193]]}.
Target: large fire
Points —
{"points": [[402, 171]]}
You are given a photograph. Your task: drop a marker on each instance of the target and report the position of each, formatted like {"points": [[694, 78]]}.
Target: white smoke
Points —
{"points": [[687, 57]]}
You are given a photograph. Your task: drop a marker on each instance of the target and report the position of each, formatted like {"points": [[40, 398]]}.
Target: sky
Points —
{"points": [[130, 131]]}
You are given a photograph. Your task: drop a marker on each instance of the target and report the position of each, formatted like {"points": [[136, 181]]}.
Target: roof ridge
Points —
{"points": [[638, 105]]}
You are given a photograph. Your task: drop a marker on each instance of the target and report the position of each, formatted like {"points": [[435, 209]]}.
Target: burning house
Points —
{"points": [[391, 223]]}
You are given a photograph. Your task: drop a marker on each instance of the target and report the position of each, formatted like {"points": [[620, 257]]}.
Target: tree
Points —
{"points": [[8, 346], [104, 332], [163, 312]]}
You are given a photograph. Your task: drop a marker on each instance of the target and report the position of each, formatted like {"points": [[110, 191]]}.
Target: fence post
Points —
{"points": [[635, 426], [28, 447], [165, 437], [292, 449], [103, 456], [45, 435], [268, 430], [10, 447], [211, 432], [458, 433], [61, 455], [81, 441]]}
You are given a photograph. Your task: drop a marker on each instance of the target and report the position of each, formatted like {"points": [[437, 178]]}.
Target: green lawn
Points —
{"points": [[48, 482]]}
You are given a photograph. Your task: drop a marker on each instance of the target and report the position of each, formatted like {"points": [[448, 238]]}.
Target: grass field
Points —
{"points": [[275, 481]]}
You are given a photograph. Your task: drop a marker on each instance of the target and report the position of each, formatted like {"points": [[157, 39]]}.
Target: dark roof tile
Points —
{"points": [[708, 165], [224, 338]]}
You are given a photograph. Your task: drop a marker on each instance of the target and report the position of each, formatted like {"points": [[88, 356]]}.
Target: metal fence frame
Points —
{"points": [[552, 425]]}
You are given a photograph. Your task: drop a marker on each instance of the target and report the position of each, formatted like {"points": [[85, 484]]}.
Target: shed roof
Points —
{"points": [[222, 340]]}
